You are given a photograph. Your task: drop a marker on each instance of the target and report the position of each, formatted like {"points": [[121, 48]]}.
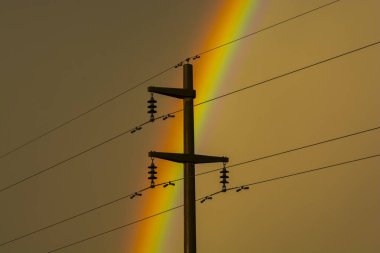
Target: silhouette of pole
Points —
{"points": [[189, 168], [188, 157]]}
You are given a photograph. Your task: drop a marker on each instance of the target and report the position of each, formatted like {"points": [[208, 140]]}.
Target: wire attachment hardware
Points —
{"points": [[243, 187], [152, 173], [136, 194], [224, 177], [168, 116], [152, 106], [169, 183], [178, 65], [187, 60], [138, 128], [196, 57], [206, 198]]}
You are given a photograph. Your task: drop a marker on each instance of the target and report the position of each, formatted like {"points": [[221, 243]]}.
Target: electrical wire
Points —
{"points": [[291, 72], [294, 149], [179, 179], [131, 195], [267, 28], [71, 218], [282, 75], [229, 189], [114, 229], [156, 75], [213, 194], [69, 158], [84, 113], [201, 103], [292, 175]]}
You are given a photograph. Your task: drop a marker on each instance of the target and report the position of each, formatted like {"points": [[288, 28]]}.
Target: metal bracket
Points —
{"points": [[187, 158], [173, 92]]}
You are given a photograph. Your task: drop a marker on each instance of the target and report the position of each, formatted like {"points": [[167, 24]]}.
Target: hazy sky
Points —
{"points": [[61, 58]]}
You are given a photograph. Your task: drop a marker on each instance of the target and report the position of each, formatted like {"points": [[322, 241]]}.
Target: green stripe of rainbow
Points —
{"points": [[230, 22]]}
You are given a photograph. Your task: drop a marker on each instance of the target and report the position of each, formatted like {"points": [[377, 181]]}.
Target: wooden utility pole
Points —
{"points": [[188, 158]]}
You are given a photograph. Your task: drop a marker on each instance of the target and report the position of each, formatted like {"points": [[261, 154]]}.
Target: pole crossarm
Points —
{"points": [[188, 158], [173, 92]]}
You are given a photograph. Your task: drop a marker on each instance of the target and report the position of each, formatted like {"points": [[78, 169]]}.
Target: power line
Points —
{"points": [[134, 194], [291, 175], [70, 218], [268, 27], [114, 229], [291, 72], [213, 194], [68, 159], [282, 75], [156, 75], [81, 153], [137, 193], [204, 102], [131, 195], [295, 149], [83, 113]]}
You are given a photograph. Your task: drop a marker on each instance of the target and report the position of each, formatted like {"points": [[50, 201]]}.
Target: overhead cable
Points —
{"points": [[209, 197], [201, 103], [171, 182], [197, 56]]}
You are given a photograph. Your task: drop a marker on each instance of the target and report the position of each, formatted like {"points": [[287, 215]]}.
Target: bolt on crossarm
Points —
{"points": [[188, 158]]}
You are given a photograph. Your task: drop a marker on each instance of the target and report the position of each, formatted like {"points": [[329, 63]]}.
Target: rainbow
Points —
{"points": [[230, 23]]}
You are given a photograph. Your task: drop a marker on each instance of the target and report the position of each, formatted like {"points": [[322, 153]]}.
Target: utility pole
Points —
{"points": [[188, 158], [189, 168]]}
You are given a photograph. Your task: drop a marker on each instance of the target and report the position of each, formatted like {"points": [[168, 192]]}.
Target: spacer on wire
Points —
{"points": [[168, 116], [152, 173], [135, 195], [242, 188], [152, 106], [169, 183], [206, 198], [224, 177], [178, 65], [196, 57], [136, 129]]}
